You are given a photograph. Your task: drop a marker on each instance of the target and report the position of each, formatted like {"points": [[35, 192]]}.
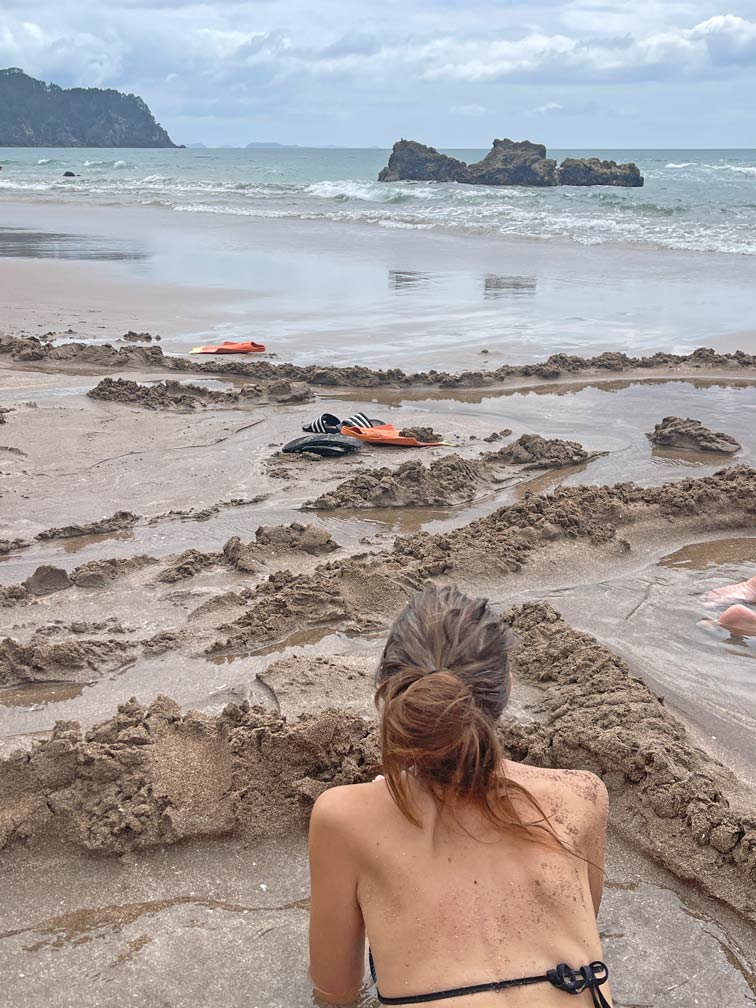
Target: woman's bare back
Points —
{"points": [[456, 902]]}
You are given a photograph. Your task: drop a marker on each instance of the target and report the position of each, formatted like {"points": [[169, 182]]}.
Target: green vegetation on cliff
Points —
{"points": [[35, 114]]}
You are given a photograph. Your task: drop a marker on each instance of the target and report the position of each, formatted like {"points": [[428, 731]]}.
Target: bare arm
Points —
{"points": [[337, 930], [595, 839]]}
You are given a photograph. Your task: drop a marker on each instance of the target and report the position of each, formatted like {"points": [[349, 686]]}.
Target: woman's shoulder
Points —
{"points": [[580, 790], [349, 804]]}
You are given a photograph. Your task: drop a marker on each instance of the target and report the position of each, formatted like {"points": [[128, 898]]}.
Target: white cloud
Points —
{"points": [[548, 108], [297, 63], [468, 110]]}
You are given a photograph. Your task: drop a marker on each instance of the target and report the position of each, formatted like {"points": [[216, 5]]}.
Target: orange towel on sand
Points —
{"points": [[229, 347], [386, 434]]}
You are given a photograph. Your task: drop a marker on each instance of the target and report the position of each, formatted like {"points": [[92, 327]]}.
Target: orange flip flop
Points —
{"points": [[229, 347], [387, 434]]}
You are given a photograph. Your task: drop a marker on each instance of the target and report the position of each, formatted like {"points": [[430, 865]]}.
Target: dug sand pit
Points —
{"points": [[154, 777], [691, 435], [115, 523], [312, 684], [65, 661], [355, 594], [667, 796]]}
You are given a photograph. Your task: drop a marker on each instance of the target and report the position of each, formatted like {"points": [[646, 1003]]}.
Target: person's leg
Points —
{"points": [[739, 619], [745, 591]]}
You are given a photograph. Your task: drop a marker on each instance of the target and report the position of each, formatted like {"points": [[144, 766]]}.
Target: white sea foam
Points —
{"points": [[682, 164]]}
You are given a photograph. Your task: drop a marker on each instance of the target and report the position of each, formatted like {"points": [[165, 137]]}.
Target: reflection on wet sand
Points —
{"points": [[495, 286], [23, 244], [407, 280]]}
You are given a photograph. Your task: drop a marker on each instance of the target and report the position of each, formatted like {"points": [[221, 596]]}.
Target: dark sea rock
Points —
{"points": [[414, 162], [508, 163], [36, 114], [511, 162], [594, 171]]}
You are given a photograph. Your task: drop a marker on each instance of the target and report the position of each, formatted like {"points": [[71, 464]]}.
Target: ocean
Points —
{"points": [[696, 200]]}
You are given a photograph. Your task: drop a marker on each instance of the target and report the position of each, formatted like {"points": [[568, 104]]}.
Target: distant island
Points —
{"points": [[36, 114], [508, 163]]}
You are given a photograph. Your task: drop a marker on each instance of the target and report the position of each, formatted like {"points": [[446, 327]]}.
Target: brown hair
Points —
{"points": [[442, 683]]}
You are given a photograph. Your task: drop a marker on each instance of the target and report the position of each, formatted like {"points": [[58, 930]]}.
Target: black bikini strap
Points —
{"points": [[589, 977], [562, 976]]}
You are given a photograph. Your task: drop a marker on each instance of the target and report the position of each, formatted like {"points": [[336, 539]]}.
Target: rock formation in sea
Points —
{"points": [[36, 114], [508, 163], [594, 171]]}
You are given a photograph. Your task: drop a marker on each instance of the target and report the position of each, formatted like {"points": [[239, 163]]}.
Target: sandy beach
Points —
{"points": [[191, 619]]}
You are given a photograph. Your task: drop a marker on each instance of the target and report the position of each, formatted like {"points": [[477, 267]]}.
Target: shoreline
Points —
{"points": [[292, 285]]}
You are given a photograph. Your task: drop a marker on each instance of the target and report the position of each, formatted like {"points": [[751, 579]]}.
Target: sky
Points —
{"points": [[451, 73]]}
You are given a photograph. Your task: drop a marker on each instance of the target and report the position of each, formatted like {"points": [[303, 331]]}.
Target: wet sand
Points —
{"points": [[188, 598], [334, 292]]}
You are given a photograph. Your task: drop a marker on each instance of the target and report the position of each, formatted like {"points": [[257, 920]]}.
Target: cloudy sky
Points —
{"points": [[455, 73]]}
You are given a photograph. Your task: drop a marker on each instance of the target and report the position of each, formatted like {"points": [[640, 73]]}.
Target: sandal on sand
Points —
{"points": [[326, 423], [327, 445]]}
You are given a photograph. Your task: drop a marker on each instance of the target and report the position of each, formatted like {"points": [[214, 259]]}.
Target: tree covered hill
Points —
{"points": [[35, 114]]}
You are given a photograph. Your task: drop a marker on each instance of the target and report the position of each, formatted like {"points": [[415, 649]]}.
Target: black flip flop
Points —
{"points": [[361, 420], [327, 423], [323, 444]]}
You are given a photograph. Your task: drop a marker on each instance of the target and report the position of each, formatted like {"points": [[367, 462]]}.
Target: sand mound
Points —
{"points": [[106, 356], [302, 538], [505, 538], [11, 545], [13, 595], [115, 523], [536, 452], [139, 337], [424, 435], [99, 573], [691, 435], [449, 480], [69, 660], [270, 541], [45, 580], [164, 395], [187, 564], [152, 777], [171, 394]]}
